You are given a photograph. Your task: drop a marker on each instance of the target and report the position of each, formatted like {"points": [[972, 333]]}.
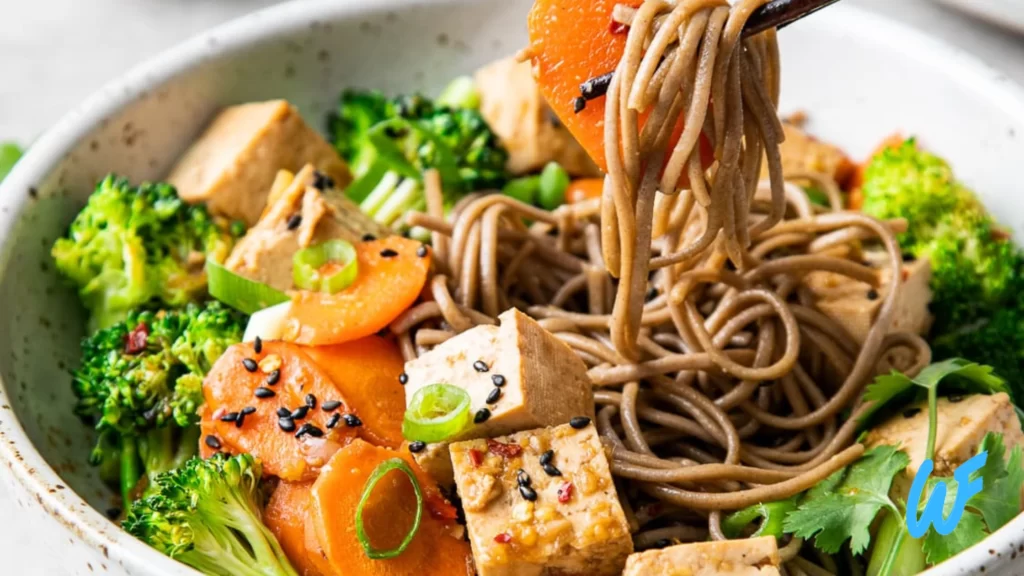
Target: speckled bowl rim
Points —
{"points": [[34, 474]]}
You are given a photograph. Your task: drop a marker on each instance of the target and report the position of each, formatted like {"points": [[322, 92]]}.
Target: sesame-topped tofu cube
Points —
{"points": [[435, 460], [962, 424], [233, 163], [303, 211], [541, 502], [539, 380], [854, 305], [749, 557]]}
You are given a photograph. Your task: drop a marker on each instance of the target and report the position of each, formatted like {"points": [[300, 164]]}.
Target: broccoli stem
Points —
{"points": [[188, 445], [130, 472], [380, 193], [933, 421]]}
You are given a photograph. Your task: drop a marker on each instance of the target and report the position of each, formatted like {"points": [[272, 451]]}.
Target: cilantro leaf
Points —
{"points": [[889, 390], [9, 155], [968, 532], [845, 510], [999, 500], [772, 515]]}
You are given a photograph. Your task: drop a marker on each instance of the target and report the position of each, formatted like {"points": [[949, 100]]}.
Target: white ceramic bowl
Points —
{"points": [[1007, 13], [861, 78]]}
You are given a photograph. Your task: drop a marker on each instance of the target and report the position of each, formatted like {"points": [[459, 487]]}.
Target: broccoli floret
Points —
{"points": [[390, 143], [131, 246], [208, 514], [977, 270], [140, 383]]}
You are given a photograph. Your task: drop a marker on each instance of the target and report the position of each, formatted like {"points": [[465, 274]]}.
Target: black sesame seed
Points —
{"points": [[286, 424], [284, 412], [250, 364], [546, 457], [322, 181], [249, 410], [528, 493], [494, 395], [213, 442], [481, 416], [422, 251], [294, 221], [240, 420], [388, 253], [330, 405], [369, 237], [333, 421], [274, 378], [303, 430], [522, 478], [417, 446], [229, 417], [498, 380], [257, 345], [480, 366], [311, 401], [314, 431], [550, 470], [911, 412], [872, 294], [908, 257], [578, 104], [352, 421], [403, 378], [579, 422], [955, 398], [264, 393], [300, 412]]}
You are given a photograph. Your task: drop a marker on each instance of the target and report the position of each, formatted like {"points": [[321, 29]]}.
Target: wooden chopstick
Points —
{"points": [[774, 14], [780, 13]]}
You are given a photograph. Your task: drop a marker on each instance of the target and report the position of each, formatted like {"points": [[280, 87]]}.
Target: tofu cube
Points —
{"points": [[543, 382], [436, 460], [513, 106], [232, 165], [573, 524], [803, 153], [300, 215], [854, 305], [962, 425], [749, 557]]}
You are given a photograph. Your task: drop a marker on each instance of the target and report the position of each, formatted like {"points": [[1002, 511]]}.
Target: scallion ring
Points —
{"points": [[329, 267], [239, 292], [378, 473], [437, 412]]}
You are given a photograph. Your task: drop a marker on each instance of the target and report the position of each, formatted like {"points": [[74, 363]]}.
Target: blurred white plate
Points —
{"points": [[1008, 13]]}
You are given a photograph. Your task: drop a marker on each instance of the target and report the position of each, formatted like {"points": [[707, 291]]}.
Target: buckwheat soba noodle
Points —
{"points": [[718, 383]]}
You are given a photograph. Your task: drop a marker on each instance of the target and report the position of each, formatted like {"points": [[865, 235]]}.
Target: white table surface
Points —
{"points": [[55, 53]]}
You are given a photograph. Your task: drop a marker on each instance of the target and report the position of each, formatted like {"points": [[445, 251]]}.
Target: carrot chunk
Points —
{"points": [[366, 371], [279, 442], [387, 516], [285, 516], [392, 272]]}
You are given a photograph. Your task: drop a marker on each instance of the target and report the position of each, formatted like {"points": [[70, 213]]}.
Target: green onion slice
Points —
{"points": [[378, 473], [329, 267], [436, 413], [239, 292]]}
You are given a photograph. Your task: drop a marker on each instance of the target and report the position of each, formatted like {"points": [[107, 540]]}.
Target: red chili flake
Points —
{"points": [[906, 273], [476, 457], [135, 342], [504, 450], [440, 509], [618, 28], [565, 492], [503, 538]]}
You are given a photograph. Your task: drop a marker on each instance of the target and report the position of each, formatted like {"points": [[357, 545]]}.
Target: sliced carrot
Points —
{"points": [[391, 275], [231, 387], [367, 371], [572, 41], [387, 517], [584, 189], [285, 517]]}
